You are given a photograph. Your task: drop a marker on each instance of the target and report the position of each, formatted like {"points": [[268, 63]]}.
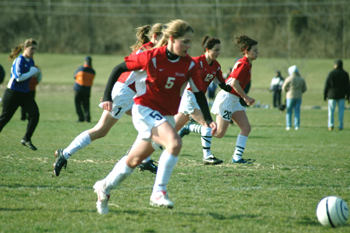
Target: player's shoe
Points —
{"points": [[28, 144], [102, 197], [161, 199], [60, 162], [149, 165], [211, 159], [185, 130], [242, 161]]}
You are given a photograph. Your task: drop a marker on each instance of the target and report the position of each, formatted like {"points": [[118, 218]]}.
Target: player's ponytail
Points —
{"points": [[244, 43], [142, 37], [16, 50]]}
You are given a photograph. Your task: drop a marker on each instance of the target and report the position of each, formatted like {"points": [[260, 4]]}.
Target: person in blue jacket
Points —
{"points": [[17, 92]]}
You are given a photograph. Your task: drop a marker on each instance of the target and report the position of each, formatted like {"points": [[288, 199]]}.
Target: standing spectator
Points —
{"points": [[276, 88], [84, 77], [337, 89], [294, 86], [17, 90], [35, 80]]}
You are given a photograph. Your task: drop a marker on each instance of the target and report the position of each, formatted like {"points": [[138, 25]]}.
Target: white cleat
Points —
{"points": [[161, 199], [102, 197]]}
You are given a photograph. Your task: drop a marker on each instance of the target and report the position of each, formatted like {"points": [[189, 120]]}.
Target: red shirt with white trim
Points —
{"points": [[208, 72], [162, 89], [242, 72]]}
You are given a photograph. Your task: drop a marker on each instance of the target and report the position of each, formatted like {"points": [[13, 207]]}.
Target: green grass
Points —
{"points": [[278, 193]]}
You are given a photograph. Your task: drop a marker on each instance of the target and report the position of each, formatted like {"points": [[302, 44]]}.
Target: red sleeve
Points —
{"points": [[137, 61], [219, 75], [240, 72], [196, 82]]}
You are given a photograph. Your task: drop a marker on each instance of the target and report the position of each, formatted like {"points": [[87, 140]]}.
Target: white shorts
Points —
{"points": [[226, 104], [123, 101], [145, 118], [188, 103]]}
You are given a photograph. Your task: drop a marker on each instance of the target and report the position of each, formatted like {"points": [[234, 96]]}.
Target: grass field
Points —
{"points": [[279, 192]]}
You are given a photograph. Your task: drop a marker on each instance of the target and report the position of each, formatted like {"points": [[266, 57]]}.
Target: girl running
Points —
{"points": [[169, 68], [122, 97]]}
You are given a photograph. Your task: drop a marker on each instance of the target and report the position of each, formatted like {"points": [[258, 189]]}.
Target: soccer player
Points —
{"points": [[122, 97], [169, 68], [210, 72], [17, 92], [227, 106]]}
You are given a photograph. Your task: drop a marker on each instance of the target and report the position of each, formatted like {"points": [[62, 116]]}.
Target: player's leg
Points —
{"points": [[241, 119]]}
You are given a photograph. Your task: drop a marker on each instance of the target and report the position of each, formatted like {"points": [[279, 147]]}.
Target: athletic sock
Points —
{"points": [[206, 141], [119, 173], [146, 159], [195, 128], [80, 142], [166, 166], [240, 146]]}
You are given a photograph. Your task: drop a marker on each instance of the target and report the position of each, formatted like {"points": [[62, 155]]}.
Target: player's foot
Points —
{"points": [[185, 130], [102, 197], [60, 162], [242, 161], [161, 199], [28, 144], [211, 160], [149, 165], [330, 128]]}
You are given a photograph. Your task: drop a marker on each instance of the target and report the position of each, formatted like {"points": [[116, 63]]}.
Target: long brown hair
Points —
{"points": [[244, 43], [145, 33], [209, 42], [16, 50]]}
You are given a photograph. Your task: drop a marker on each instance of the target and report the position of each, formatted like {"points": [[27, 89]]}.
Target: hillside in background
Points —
{"points": [[283, 28]]}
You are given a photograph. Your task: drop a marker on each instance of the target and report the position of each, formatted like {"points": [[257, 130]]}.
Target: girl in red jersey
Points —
{"points": [[227, 105], [210, 72], [122, 96], [169, 68]]}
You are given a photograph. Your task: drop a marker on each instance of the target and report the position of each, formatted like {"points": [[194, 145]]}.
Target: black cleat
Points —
{"points": [[28, 144], [60, 162], [149, 165]]}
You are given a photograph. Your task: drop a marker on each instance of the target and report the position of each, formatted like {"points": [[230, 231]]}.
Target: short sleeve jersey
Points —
{"points": [[242, 72], [129, 77], [162, 89], [20, 66], [208, 72]]}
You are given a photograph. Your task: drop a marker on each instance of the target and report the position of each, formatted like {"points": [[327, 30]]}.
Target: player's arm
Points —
{"points": [[236, 85], [24, 76], [221, 81], [225, 87]]}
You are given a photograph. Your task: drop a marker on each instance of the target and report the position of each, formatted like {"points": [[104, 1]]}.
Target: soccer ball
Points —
{"points": [[332, 211]]}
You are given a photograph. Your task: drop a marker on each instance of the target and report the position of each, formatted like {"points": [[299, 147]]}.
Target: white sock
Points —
{"points": [[206, 141], [81, 141], [119, 173], [146, 159], [240, 146], [195, 128], [166, 166]]}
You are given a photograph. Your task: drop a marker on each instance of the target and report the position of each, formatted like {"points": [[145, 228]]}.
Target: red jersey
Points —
{"points": [[242, 72], [208, 72], [162, 89], [128, 77]]}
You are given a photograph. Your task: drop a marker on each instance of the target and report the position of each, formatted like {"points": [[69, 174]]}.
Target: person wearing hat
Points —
{"points": [[84, 77], [276, 88], [294, 86], [336, 90]]}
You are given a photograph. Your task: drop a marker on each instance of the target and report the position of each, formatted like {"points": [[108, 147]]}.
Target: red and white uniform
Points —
{"points": [[161, 90], [242, 72]]}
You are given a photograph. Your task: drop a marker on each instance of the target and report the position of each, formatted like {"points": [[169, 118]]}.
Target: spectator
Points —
{"points": [[337, 89], [276, 88], [35, 80], [84, 77], [2, 74], [294, 86]]}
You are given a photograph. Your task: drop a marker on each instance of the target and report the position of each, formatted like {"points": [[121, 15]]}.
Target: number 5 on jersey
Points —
{"points": [[170, 83]]}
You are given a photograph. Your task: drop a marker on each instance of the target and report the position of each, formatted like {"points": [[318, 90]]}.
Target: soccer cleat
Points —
{"points": [[287, 128], [149, 165], [330, 128], [60, 162], [28, 144], [161, 199], [242, 161], [185, 130], [211, 160], [102, 198]]}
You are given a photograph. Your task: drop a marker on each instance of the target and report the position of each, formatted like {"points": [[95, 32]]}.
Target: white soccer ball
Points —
{"points": [[332, 211]]}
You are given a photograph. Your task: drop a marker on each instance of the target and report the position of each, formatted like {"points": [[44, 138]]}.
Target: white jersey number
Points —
{"points": [[209, 77], [170, 83]]}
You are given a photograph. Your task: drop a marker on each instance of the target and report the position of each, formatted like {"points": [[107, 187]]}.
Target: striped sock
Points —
{"points": [[240, 146]]}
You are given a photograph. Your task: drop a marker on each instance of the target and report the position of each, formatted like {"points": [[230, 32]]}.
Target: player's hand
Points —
{"points": [[107, 105], [249, 100], [213, 127]]}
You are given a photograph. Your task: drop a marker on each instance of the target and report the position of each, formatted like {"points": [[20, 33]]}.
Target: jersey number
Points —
{"points": [[227, 115], [170, 83], [209, 77], [156, 116]]}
